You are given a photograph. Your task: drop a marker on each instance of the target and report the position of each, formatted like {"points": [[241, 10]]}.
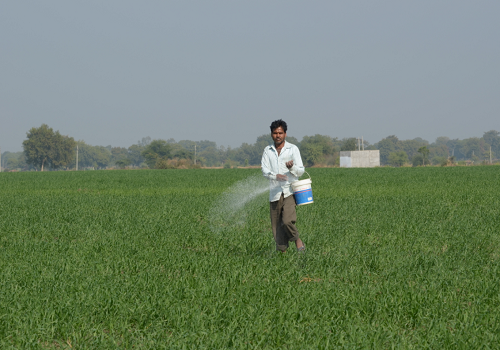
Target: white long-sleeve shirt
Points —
{"points": [[273, 164]]}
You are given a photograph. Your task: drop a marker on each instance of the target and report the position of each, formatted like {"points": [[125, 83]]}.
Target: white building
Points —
{"points": [[360, 159]]}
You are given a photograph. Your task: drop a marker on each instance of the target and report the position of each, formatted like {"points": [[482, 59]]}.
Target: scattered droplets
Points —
{"points": [[230, 209]]}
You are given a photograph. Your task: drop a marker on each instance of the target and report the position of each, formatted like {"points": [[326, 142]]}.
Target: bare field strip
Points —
{"points": [[396, 258]]}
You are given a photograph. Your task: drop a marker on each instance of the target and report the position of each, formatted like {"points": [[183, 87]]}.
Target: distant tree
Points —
{"points": [[349, 144], [135, 154], [442, 140], [93, 156], [418, 160], [207, 153], [492, 138], [398, 158], [102, 157], [315, 149], [253, 152], [156, 151], [122, 163], [387, 146], [439, 160], [440, 150], [188, 145], [246, 152], [260, 144], [293, 140], [424, 151], [183, 149], [411, 146], [44, 147], [474, 147], [11, 163], [144, 141], [453, 146], [312, 154], [182, 153], [13, 160], [421, 140], [118, 153]]}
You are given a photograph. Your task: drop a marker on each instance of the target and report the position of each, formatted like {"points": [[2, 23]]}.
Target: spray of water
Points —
{"points": [[230, 209]]}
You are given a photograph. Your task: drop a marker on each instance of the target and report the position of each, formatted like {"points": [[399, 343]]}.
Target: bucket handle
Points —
{"points": [[307, 174]]}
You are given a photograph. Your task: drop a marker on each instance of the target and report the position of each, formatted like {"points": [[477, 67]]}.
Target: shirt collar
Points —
{"points": [[287, 145]]}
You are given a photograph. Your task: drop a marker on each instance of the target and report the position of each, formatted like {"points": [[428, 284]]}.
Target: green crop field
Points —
{"points": [[396, 258]]}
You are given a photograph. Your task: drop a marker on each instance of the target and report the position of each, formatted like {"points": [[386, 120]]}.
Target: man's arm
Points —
{"points": [[265, 165], [296, 167]]}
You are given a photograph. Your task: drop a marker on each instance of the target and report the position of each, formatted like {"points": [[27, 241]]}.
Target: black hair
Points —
{"points": [[277, 123]]}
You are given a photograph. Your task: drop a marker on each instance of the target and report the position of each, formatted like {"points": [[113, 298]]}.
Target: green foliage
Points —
{"points": [[397, 159], [254, 152], [13, 161], [473, 148], [312, 154], [183, 154], [135, 154], [119, 153], [443, 161], [156, 151], [207, 153], [349, 144], [397, 258], [387, 146], [44, 147], [144, 141], [418, 160], [424, 151], [315, 149], [411, 146], [492, 138], [122, 163], [10, 163], [93, 156], [392, 144], [293, 140]]}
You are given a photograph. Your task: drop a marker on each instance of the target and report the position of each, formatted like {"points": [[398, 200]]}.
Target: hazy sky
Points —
{"points": [[112, 72]]}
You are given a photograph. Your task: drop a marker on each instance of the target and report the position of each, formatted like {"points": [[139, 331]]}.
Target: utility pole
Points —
{"points": [[1, 159], [76, 157], [362, 143]]}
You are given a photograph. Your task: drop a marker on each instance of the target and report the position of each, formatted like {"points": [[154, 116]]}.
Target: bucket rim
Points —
{"points": [[301, 182]]}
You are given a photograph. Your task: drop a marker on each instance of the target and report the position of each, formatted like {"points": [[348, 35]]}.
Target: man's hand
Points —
{"points": [[289, 164], [281, 177]]}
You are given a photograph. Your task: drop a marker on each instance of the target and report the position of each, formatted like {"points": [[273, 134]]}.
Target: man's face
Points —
{"points": [[278, 136]]}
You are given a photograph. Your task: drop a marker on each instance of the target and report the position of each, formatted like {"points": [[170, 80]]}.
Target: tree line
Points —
{"points": [[45, 148]]}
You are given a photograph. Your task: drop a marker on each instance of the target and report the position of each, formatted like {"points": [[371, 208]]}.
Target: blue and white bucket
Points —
{"points": [[302, 191]]}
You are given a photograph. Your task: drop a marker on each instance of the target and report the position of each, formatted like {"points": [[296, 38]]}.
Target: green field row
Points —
{"points": [[150, 259]]}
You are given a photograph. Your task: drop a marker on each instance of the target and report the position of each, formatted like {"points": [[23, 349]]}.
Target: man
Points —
{"points": [[282, 165]]}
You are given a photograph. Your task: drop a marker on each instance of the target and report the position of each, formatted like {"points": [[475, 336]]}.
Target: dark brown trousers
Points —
{"points": [[283, 218]]}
